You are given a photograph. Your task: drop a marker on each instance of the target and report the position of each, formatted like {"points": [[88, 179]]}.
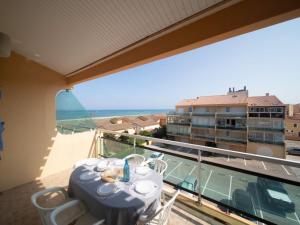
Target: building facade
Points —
{"points": [[233, 121], [292, 123]]}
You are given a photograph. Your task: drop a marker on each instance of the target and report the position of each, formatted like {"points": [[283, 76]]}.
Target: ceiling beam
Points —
{"points": [[242, 17]]}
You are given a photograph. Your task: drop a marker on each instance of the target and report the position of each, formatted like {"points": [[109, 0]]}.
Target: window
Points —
{"points": [[295, 125], [227, 109]]}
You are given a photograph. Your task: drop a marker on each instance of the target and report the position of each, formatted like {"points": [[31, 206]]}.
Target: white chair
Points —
{"points": [[73, 212], [136, 158], [45, 202], [160, 166], [161, 215], [88, 161]]}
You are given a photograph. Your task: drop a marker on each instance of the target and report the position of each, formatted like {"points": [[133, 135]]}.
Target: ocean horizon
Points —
{"points": [[85, 114]]}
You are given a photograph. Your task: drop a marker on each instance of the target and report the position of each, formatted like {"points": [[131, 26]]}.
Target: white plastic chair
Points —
{"points": [[45, 209], [160, 166], [73, 211], [161, 215], [136, 158], [85, 161]]}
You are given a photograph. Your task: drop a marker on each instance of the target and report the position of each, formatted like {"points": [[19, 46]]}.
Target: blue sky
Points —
{"points": [[267, 60]]}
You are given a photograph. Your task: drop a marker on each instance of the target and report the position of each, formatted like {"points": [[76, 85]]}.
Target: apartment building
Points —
{"points": [[292, 123], [233, 121]]}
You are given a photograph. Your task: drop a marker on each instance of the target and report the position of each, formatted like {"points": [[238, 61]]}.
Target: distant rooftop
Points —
{"points": [[239, 97]]}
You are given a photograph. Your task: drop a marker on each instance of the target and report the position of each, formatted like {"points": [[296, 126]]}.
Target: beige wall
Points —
{"points": [[32, 148], [266, 149]]}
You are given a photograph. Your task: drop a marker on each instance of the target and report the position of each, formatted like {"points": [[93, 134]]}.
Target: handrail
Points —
{"points": [[210, 149]]}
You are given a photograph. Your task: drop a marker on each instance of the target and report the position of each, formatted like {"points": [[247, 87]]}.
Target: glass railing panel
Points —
{"points": [[252, 188]]}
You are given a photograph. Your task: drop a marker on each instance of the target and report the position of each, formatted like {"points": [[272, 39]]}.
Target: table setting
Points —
{"points": [[116, 190]]}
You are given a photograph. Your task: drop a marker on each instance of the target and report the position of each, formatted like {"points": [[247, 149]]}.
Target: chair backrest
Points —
{"points": [[166, 210], [136, 158], [160, 166], [44, 211], [92, 161], [67, 213]]}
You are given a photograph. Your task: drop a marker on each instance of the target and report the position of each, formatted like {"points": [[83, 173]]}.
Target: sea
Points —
{"points": [[85, 114]]}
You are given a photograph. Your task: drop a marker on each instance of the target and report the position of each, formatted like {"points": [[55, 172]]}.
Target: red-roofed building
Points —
{"points": [[233, 121]]}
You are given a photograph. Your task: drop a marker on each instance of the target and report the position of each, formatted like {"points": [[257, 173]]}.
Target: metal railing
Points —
{"points": [[200, 163]]}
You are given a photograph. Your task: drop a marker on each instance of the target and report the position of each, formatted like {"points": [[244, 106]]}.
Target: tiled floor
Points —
{"points": [[16, 207]]}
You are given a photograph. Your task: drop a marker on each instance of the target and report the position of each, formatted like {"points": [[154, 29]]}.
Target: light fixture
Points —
{"points": [[5, 48]]}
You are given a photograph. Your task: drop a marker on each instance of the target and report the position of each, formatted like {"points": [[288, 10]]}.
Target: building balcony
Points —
{"points": [[267, 141], [203, 114], [183, 172], [232, 114], [230, 127], [232, 139], [179, 123], [204, 136], [174, 113], [202, 126], [277, 129]]}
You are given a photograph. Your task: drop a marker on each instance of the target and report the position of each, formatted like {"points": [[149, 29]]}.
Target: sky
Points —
{"points": [[266, 61]]}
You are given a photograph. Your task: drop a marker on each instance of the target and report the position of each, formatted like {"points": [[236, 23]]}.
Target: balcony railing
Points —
{"points": [[202, 126], [219, 180], [232, 139], [267, 141], [280, 129], [232, 114], [183, 123], [174, 113], [231, 127], [203, 113], [204, 136], [178, 133]]}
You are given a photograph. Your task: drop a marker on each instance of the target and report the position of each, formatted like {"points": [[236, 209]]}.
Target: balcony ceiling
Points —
{"points": [[68, 35]]}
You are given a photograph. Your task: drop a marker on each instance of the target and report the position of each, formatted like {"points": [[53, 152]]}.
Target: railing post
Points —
{"points": [[101, 144], [199, 177], [134, 144]]}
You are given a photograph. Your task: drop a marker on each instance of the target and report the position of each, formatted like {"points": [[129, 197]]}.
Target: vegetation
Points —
{"points": [[160, 132]]}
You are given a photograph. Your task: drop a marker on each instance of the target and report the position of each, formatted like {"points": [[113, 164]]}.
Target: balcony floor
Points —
{"points": [[16, 207]]}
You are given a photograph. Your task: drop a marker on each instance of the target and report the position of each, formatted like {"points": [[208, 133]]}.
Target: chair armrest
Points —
{"points": [[63, 207], [99, 222], [35, 196], [145, 218]]}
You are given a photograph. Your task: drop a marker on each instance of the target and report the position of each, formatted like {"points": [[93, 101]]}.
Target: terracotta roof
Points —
{"points": [[270, 100], [127, 122], [106, 124], [232, 99], [215, 100]]}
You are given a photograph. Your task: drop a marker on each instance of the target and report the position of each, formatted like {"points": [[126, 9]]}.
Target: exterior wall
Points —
{"points": [[32, 147], [292, 129], [266, 149]]}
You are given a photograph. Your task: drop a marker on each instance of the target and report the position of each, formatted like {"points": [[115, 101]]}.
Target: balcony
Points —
{"points": [[183, 123], [267, 141], [266, 128], [202, 126], [231, 127], [212, 114], [232, 114], [204, 136], [174, 113], [232, 139]]}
